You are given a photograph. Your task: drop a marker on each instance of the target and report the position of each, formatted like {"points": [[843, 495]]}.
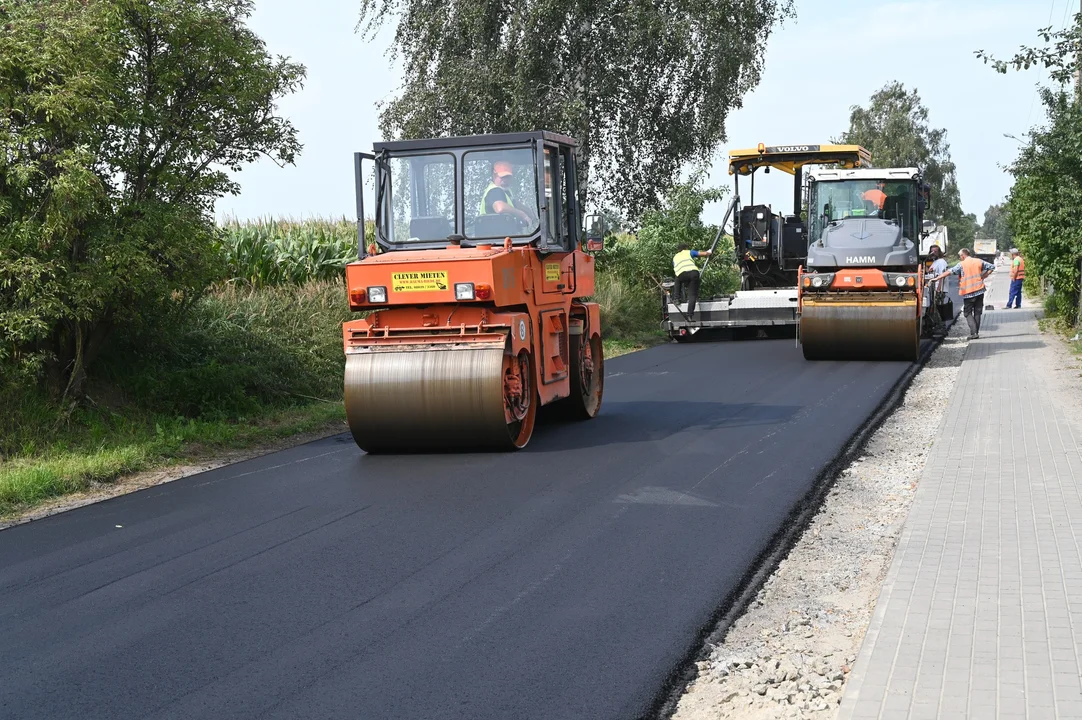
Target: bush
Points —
{"points": [[121, 120], [630, 269], [238, 353], [627, 312], [1045, 204], [239, 350]]}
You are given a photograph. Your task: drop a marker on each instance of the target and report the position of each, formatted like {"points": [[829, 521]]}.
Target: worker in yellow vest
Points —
{"points": [[973, 271], [687, 274], [497, 197], [1018, 275]]}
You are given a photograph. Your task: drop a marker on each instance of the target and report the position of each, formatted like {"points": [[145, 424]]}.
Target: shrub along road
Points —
{"points": [[566, 580]]}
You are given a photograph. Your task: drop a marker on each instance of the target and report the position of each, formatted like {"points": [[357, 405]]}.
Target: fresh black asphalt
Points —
{"points": [[567, 580]]}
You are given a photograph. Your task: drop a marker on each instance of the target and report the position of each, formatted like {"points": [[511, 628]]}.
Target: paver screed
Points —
{"points": [[980, 615]]}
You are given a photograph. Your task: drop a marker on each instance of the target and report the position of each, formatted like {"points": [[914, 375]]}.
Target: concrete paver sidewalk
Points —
{"points": [[980, 615]]}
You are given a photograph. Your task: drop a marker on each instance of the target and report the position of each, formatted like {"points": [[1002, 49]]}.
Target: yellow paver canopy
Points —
{"points": [[788, 158]]}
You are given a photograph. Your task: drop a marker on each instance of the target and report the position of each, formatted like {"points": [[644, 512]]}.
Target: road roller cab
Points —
{"points": [[473, 293], [861, 291]]}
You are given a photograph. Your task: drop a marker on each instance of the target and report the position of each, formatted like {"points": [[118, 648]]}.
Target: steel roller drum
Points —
{"points": [[431, 399], [860, 330]]}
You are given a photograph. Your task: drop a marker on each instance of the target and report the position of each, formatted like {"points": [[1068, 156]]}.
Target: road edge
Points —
{"points": [[793, 527], [161, 474]]}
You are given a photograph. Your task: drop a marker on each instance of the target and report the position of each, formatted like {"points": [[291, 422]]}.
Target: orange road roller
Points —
{"points": [[474, 293]]}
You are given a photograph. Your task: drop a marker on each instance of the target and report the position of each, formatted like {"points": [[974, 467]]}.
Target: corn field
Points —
{"points": [[285, 251]]}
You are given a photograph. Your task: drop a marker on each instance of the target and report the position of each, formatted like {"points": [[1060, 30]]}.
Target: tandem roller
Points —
{"points": [[859, 296], [472, 320]]}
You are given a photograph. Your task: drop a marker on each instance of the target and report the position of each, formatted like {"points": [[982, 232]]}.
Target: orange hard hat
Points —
{"points": [[502, 167]]}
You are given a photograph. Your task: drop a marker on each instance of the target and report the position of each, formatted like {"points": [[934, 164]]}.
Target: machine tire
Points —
{"points": [[520, 432], [587, 383]]}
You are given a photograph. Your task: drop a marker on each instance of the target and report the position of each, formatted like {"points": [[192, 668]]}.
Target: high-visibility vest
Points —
{"points": [[682, 262], [877, 196], [484, 196], [1018, 269], [971, 276]]}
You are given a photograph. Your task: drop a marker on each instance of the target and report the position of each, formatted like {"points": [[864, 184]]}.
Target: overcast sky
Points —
{"points": [[833, 55]]}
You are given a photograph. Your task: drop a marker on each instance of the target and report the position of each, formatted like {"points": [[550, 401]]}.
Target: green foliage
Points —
{"points": [[120, 121], [647, 259], [275, 252], [629, 313], [997, 225], [1059, 55], [615, 222], [239, 350], [644, 87], [238, 353], [894, 127], [1045, 203], [630, 269], [1044, 209]]}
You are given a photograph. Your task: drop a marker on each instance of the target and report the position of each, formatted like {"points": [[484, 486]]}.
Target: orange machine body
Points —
{"points": [[520, 296], [863, 280]]}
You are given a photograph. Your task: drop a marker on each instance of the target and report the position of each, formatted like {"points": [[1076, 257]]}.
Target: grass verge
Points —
{"points": [[615, 347], [245, 368], [28, 481]]}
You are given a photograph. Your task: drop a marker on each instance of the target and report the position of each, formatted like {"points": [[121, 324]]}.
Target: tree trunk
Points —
{"points": [[75, 349]]}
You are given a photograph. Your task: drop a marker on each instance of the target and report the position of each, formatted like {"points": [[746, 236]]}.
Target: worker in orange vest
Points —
{"points": [[876, 196], [1018, 275], [973, 271]]}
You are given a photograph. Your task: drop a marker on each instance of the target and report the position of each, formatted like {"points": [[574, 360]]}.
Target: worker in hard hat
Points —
{"points": [[498, 198], [1018, 277], [972, 271], [687, 274]]}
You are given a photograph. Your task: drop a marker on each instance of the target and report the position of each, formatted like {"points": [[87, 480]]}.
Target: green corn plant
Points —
{"points": [[286, 251]]}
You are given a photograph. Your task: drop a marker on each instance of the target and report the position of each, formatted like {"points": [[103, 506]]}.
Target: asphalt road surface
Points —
{"points": [[563, 581]]}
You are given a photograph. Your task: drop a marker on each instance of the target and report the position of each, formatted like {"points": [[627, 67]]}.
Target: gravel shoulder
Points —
{"points": [[790, 653]]}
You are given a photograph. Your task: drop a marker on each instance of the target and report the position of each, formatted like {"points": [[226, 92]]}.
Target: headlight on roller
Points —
{"points": [[377, 294], [901, 280], [463, 291], [818, 281]]}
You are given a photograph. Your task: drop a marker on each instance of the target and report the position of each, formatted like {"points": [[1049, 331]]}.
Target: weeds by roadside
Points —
{"points": [[243, 368]]}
